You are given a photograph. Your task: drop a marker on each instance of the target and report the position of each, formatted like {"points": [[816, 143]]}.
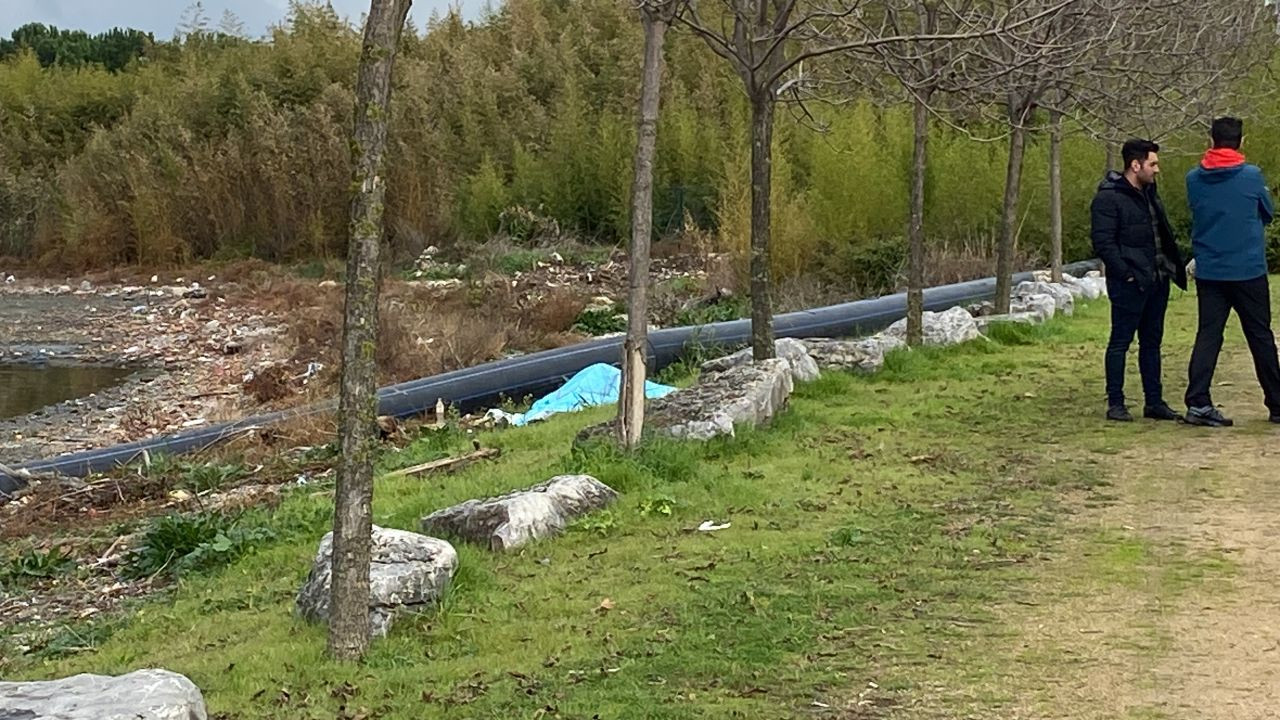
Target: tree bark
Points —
{"points": [[1110, 160], [915, 230], [1055, 195], [761, 186], [358, 404], [1009, 212], [631, 389]]}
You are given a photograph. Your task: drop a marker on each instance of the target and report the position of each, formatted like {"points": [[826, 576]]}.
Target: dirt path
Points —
{"points": [[1163, 602]]}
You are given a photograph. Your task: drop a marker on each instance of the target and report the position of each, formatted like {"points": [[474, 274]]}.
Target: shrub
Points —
{"points": [[597, 321], [34, 564], [180, 544]]}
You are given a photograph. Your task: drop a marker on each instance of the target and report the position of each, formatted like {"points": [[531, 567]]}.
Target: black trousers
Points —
{"points": [[1251, 299], [1134, 310]]}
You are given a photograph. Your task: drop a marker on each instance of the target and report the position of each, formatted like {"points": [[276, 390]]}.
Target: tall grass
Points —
{"points": [[238, 149]]}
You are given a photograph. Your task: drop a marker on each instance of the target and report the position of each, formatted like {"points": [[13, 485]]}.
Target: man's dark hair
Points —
{"points": [[1227, 132], [1137, 149]]}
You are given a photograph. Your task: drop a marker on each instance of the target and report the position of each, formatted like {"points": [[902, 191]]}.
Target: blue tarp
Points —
{"points": [[593, 385]]}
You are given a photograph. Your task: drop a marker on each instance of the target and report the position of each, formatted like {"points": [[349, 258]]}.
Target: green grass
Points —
{"points": [[873, 528]]}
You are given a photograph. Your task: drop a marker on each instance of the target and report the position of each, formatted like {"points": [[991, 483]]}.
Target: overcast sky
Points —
{"points": [[162, 16]]}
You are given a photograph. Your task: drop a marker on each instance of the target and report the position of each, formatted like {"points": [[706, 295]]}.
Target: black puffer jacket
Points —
{"points": [[1123, 236]]}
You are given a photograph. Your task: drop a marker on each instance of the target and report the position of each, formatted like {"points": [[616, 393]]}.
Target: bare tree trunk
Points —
{"points": [[358, 405], [915, 230], [1009, 212], [631, 399], [1055, 195], [761, 187], [1110, 160]]}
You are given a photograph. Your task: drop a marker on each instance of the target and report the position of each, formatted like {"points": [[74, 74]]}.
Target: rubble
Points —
{"points": [[190, 352]]}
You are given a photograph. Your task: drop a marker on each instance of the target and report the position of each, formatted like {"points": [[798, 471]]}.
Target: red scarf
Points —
{"points": [[1218, 158]]}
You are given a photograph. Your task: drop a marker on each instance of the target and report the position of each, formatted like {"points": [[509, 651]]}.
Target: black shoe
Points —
{"points": [[1208, 416], [1160, 412], [1119, 413]]}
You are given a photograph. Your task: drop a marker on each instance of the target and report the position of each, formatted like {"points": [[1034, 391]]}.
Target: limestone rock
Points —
{"points": [[795, 352], [1062, 298], [951, 327], [1019, 318], [511, 520], [744, 395], [409, 573], [140, 695], [865, 355], [1090, 287], [1042, 306]]}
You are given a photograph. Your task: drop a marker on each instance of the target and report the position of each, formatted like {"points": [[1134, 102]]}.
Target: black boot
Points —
{"points": [[1119, 413], [1160, 412]]}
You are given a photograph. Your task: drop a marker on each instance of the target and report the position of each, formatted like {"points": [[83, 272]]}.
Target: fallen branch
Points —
{"points": [[215, 393], [449, 464]]}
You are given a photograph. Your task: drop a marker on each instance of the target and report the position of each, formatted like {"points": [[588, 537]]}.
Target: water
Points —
{"points": [[27, 388]]}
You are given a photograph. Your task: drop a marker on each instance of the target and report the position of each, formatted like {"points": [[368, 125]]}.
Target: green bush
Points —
{"points": [[723, 310], [601, 321], [33, 564], [205, 477], [180, 544], [690, 361], [873, 267]]}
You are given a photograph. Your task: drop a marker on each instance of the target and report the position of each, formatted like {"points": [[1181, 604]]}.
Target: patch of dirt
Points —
{"points": [[1191, 630]]}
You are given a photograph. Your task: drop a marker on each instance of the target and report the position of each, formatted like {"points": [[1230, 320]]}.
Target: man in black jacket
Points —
{"points": [[1132, 236]]}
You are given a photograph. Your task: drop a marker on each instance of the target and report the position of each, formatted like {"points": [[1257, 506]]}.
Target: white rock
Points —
{"points": [[140, 695], [1042, 306], [1019, 318], [517, 518], [745, 395], [1062, 298], [950, 327], [409, 573], [795, 352], [1073, 286], [865, 355]]}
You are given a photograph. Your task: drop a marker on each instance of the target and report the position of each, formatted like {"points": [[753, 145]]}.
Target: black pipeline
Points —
{"points": [[539, 373]]}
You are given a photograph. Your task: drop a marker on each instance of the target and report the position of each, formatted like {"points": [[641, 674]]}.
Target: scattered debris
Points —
{"points": [[449, 464]]}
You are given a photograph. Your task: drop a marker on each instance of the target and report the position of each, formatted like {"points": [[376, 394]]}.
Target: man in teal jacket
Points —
{"points": [[1230, 205]]}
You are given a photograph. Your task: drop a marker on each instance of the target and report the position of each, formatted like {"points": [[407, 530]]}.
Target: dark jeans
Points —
{"points": [[1251, 299], [1134, 310]]}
